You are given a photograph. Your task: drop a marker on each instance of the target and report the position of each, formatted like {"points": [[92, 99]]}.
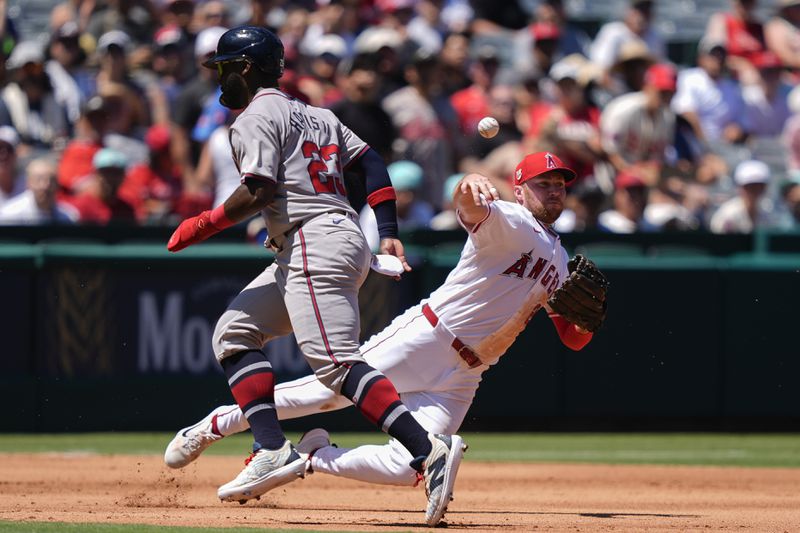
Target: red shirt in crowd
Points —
{"points": [[471, 105], [76, 163], [94, 210], [744, 38]]}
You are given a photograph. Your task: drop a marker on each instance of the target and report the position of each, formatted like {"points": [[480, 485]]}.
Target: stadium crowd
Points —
{"points": [[113, 118]]}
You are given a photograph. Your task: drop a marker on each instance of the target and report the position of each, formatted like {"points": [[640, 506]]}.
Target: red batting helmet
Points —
{"points": [[536, 164]]}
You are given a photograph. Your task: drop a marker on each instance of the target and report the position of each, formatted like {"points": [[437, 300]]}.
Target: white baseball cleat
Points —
{"points": [[189, 443], [439, 472], [264, 471], [310, 442]]}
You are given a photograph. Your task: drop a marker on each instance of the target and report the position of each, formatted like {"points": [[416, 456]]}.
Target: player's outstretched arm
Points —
{"points": [[472, 197], [247, 200]]}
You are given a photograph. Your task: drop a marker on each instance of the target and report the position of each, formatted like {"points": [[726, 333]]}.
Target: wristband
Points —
{"points": [[219, 219]]}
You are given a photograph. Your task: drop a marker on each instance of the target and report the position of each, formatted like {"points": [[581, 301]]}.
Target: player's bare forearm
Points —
{"points": [[467, 197], [248, 199]]}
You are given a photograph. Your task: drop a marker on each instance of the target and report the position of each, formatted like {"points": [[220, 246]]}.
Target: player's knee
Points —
{"points": [[332, 376], [231, 337]]}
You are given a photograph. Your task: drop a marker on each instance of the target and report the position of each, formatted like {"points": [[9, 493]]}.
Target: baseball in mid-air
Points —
{"points": [[488, 127]]}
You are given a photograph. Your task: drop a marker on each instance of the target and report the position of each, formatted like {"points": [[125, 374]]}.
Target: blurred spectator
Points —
{"points": [[583, 205], [502, 107], [454, 60], [30, 102], [114, 80], [636, 24], [190, 100], [72, 84], [493, 17], [78, 12], [665, 207], [427, 27], [100, 203], [331, 18], [472, 103], [782, 33], [739, 31], [123, 132], [75, 167], [155, 189], [630, 199], [751, 208], [294, 34], [137, 19], [10, 184], [412, 213], [572, 40], [169, 65], [427, 124], [396, 15], [178, 13], [387, 44], [319, 84], [709, 100], [37, 204], [546, 38], [791, 199], [572, 127], [766, 97], [360, 110], [211, 13], [626, 75], [790, 137], [636, 128], [447, 219], [216, 170]]}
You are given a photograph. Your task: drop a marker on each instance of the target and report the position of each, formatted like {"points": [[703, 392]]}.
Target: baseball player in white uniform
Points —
{"points": [[291, 158], [436, 352]]}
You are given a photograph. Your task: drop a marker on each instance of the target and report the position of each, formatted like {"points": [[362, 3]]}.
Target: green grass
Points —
{"points": [[60, 527], [775, 450]]}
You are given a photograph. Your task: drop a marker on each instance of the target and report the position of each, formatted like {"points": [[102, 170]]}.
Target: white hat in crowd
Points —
{"points": [[9, 135], [752, 171], [113, 38], [206, 42], [24, 53]]}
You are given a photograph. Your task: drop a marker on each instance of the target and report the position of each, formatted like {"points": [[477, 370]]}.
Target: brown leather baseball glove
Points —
{"points": [[582, 298]]}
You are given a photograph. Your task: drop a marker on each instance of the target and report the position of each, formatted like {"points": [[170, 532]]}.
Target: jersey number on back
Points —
{"points": [[324, 169]]}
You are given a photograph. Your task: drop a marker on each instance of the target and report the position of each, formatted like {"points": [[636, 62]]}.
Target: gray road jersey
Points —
{"points": [[301, 147]]}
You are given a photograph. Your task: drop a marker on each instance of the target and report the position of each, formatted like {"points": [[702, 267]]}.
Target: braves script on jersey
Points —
{"points": [[303, 148], [509, 266]]}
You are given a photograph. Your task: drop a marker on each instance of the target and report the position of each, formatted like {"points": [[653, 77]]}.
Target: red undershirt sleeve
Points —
{"points": [[571, 337]]}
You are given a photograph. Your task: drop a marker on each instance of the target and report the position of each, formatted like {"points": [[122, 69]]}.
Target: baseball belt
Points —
{"points": [[464, 351]]}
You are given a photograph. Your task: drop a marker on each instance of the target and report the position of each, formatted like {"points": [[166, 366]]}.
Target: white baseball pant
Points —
{"points": [[435, 384]]}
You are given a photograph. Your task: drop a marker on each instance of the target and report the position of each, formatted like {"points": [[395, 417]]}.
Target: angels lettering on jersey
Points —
{"points": [[526, 268]]}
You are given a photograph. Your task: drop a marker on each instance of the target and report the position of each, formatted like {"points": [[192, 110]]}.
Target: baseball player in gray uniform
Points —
{"points": [[512, 266], [291, 158]]}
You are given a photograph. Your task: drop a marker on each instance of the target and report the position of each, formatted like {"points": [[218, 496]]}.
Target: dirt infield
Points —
{"points": [[517, 497]]}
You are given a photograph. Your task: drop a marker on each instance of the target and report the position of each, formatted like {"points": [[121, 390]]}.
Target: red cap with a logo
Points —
{"points": [[536, 164]]}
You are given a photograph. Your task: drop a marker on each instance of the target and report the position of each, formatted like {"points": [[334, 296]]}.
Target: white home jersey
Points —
{"points": [[509, 266], [301, 147]]}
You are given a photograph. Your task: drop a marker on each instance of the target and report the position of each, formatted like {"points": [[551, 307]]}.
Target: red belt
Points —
{"points": [[464, 351]]}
